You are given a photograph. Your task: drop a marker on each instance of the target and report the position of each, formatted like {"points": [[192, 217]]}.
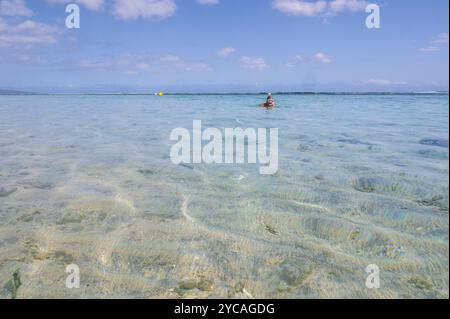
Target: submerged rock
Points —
{"points": [[188, 284], [146, 171], [42, 185], [13, 284], [364, 184], [203, 284], [239, 287], [33, 249], [353, 141], [420, 283], [304, 148], [4, 192], [435, 201], [433, 154], [295, 273], [70, 219], [393, 251], [29, 217], [63, 256], [354, 235], [37, 184], [188, 166], [319, 177], [435, 142], [432, 201], [271, 230]]}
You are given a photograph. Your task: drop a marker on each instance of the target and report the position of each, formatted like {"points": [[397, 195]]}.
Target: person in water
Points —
{"points": [[270, 102]]}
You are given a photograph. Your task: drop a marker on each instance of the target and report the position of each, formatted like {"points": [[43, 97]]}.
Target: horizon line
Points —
{"points": [[16, 92]]}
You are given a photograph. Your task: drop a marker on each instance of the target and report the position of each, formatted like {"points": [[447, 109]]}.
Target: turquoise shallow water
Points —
{"points": [[363, 179]]}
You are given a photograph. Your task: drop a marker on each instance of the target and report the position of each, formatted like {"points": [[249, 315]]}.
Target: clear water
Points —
{"points": [[88, 180]]}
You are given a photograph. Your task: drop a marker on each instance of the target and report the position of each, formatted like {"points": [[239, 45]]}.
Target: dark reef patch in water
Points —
{"points": [[295, 272], [309, 147], [354, 141], [319, 177], [304, 148], [271, 229], [354, 235], [202, 285], [13, 284], [365, 185], [38, 185], [70, 218], [396, 161], [433, 154], [4, 192], [440, 142], [435, 201], [146, 171], [188, 166], [63, 257], [420, 283], [28, 217]]}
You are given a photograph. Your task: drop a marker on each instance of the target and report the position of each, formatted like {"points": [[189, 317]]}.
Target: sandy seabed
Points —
{"points": [[88, 181]]}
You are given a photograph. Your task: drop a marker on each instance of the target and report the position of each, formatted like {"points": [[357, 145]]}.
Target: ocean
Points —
{"points": [[87, 180]]}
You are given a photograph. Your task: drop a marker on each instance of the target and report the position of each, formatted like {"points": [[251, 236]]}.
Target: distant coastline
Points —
{"points": [[13, 92]]}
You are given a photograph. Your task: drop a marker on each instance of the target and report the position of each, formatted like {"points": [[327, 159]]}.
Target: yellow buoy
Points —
{"points": [[159, 94]]}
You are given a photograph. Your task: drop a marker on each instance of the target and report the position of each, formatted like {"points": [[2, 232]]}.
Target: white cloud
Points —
{"points": [[137, 63], [149, 9], [226, 52], [144, 66], [177, 63], [436, 44], [254, 63], [14, 8], [170, 58], [296, 60], [26, 33], [129, 9], [90, 4], [208, 2], [347, 5], [385, 82], [318, 7], [441, 39], [322, 58], [300, 8], [95, 64], [116, 63], [429, 49]]}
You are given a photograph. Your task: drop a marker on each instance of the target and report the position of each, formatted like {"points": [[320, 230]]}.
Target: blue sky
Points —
{"points": [[223, 46]]}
